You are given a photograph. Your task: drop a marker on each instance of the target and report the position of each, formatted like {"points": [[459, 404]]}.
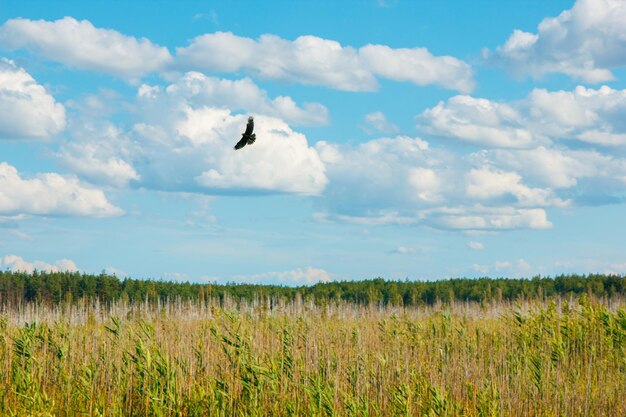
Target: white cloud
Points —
{"points": [[584, 42], [98, 151], [87, 160], [376, 181], [200, 90], [426, 183], [315, 61], [17, 264], [79, 44], [188, 140], [299, 276], [26, 108], [584, 176], [489, 218], [484, 183], [307, 60], [377, 122], [543, 117], [182, 140], [51, 194], [475, 245], [404, 181], [589, 115], [418, 66], [478, 121], [280, 159]]}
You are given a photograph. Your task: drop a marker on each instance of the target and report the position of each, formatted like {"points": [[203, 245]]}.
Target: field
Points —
{"points": [[553, 357]]}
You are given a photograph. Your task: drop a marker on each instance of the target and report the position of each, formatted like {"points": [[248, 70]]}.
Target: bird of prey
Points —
{"points": [[247, 137]]}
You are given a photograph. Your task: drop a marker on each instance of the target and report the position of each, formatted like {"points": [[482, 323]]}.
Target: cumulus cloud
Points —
{"points": [[477, 121], [377, 123], [584, 114], [315, 61], [85, 160], [308, 59], [485, 183], [417, 66], [404, 181], [26, 108], [100, 153], [18, 264], [79, 44], [299, 276], [576, 176], [182, 140], [51, 194], [281, 160], [402, 169], [198, 89], [584, 42]]}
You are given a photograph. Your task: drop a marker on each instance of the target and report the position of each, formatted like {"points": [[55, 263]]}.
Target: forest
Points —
{"points": [[68, 287]]}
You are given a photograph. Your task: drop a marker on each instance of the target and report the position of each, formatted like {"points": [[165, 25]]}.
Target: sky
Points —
{"points": [[400, 139]]}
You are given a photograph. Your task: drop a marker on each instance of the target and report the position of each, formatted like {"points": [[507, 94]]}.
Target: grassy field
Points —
{"points": [[549, 358]]}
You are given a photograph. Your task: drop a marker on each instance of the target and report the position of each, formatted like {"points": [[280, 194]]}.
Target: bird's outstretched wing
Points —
{"points": [[242, 142], [247, 137], [249, 126]]}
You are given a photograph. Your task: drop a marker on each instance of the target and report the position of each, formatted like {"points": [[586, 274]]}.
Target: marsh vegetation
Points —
{"points": [[226, 357]]}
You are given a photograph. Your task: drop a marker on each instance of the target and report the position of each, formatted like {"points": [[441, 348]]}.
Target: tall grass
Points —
{"points": [[551, 358]]}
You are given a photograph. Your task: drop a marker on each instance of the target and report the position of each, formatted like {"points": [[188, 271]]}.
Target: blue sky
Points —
{"points": [[401, 139]]}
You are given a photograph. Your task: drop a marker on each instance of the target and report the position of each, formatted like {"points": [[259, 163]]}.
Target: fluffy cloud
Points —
{"points": [[16, 263], [80, 45], [281, 159], [182, 140], [418, 66], [87, 161], [377, 122], [485, 183], [588, 115], [402, 169], [26, 108], [100, 152], [50, 194], [578, 176], [316, 61], [404, 181], [308, 59], [477, 121], [299, 276], [584, 114], [585, 42], [199, 90]]}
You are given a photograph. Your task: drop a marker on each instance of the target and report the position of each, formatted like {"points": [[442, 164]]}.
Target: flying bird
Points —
{"points": [[247, 137]]}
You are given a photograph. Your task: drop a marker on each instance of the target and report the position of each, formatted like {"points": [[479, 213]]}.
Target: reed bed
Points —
{"points": [[270, 358]]}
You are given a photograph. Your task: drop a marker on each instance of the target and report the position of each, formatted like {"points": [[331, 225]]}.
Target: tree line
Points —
{"points": [[68, 287]]}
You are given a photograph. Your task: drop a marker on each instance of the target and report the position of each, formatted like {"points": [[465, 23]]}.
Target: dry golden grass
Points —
{"points": [[552, 358]]}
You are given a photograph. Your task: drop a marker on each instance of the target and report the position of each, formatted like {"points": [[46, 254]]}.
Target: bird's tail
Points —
{"points": [[251, 139]]}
